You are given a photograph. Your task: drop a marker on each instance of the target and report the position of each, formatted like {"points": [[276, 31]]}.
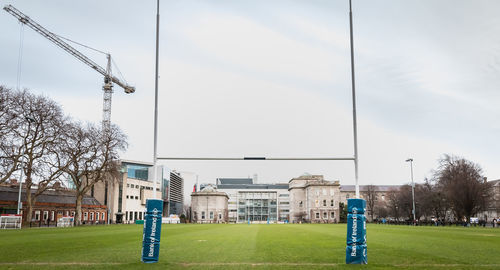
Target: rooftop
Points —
{"points": [[8, 193]]}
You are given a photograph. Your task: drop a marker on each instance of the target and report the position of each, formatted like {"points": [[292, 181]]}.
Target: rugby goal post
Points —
{"points": [[10, 221]]}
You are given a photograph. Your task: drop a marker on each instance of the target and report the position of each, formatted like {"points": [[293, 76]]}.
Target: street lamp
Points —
{"points": [[412, 188], [19, 203]]}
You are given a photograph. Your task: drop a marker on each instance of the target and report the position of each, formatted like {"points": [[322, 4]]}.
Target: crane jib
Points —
{"points": [[65, 46]]}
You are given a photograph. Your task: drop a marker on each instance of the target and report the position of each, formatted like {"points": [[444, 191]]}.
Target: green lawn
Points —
{"points": [[301, 246]]}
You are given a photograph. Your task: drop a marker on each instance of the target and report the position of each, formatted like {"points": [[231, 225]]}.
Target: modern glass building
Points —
{"points": [[255, 202], [257, 206]]}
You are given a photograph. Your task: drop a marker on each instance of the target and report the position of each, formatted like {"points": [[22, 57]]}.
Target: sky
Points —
{"points": [[272, 78]]}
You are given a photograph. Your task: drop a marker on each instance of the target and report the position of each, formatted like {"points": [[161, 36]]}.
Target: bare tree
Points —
{"points": [[393, 203], [11, 133], [40, 136], [371, 198], [433, 201], [463, 185], [92, 157], [186, 211]]}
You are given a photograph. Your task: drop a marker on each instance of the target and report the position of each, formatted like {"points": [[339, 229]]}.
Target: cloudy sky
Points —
{"points": [[272, 78]]}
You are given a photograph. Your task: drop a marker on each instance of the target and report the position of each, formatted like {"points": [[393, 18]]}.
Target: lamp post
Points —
{"points": [[19, 203], [412, 188]]}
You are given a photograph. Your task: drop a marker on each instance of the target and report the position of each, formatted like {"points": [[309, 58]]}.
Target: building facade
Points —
{"points": [[175, 193], [51, 205], [127, 194], [314, 199], [209, 206], [250, 202]]}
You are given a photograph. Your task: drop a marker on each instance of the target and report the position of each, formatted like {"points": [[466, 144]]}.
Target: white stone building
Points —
{"points": [[209, 206], [314, 199]]}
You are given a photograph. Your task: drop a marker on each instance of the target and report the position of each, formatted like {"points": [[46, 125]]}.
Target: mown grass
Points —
{"points": [[242, 246]]}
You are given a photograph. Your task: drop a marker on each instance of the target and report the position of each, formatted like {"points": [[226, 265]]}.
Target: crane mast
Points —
{"points": [[109, 79]]}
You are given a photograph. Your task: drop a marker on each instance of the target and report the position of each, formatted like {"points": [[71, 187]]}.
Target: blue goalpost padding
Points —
{"points": [[152, 231], [356, 232]]}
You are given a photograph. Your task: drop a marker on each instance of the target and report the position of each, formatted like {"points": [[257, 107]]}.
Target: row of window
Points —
{"points": [[98, 216], [133, 215], [211, 215], [141, 187], [332, 203], [325, 215], [324, 191], [132, 197]]}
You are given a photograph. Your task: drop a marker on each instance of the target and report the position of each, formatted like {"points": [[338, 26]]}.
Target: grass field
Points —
{"points": [[304, 246]]}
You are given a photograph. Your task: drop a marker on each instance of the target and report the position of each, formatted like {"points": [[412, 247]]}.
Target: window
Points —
{"points": [[300, 204], [202, 214], [52, 215], [85, 216], [317, 203], [103, 216], [97, 216], [128, 185], [220, 216], [317, 215], [136, 197], [331, 192], [324, 202], [140, 215], [324, 191], [127, 196], [211, 215], [37, 215], [284, 202], [331, 203], [73, 213], [332, 215], [66, 213], [45, 215], [317, 192], [325, 215], [91, 215]]}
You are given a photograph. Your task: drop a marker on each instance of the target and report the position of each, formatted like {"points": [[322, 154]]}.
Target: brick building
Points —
{"points": [[51, 205]]}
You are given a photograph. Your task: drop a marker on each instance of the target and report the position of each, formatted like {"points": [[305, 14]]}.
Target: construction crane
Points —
{"points": [[109, 79]]}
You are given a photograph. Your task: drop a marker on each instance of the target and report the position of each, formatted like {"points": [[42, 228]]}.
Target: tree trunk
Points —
{"points": [[78, 209], [29, 206]]}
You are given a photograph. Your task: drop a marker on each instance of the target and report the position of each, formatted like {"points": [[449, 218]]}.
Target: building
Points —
{"points": [[176, 194], [209, 206], [255, 202], [308, 198], [314, 199], [493, 208], [51, 205], [127, 194]]}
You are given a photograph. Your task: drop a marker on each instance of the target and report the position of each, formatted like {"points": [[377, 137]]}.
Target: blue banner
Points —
{"points": [[152, 231], [356, 251], [356, 228]]}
